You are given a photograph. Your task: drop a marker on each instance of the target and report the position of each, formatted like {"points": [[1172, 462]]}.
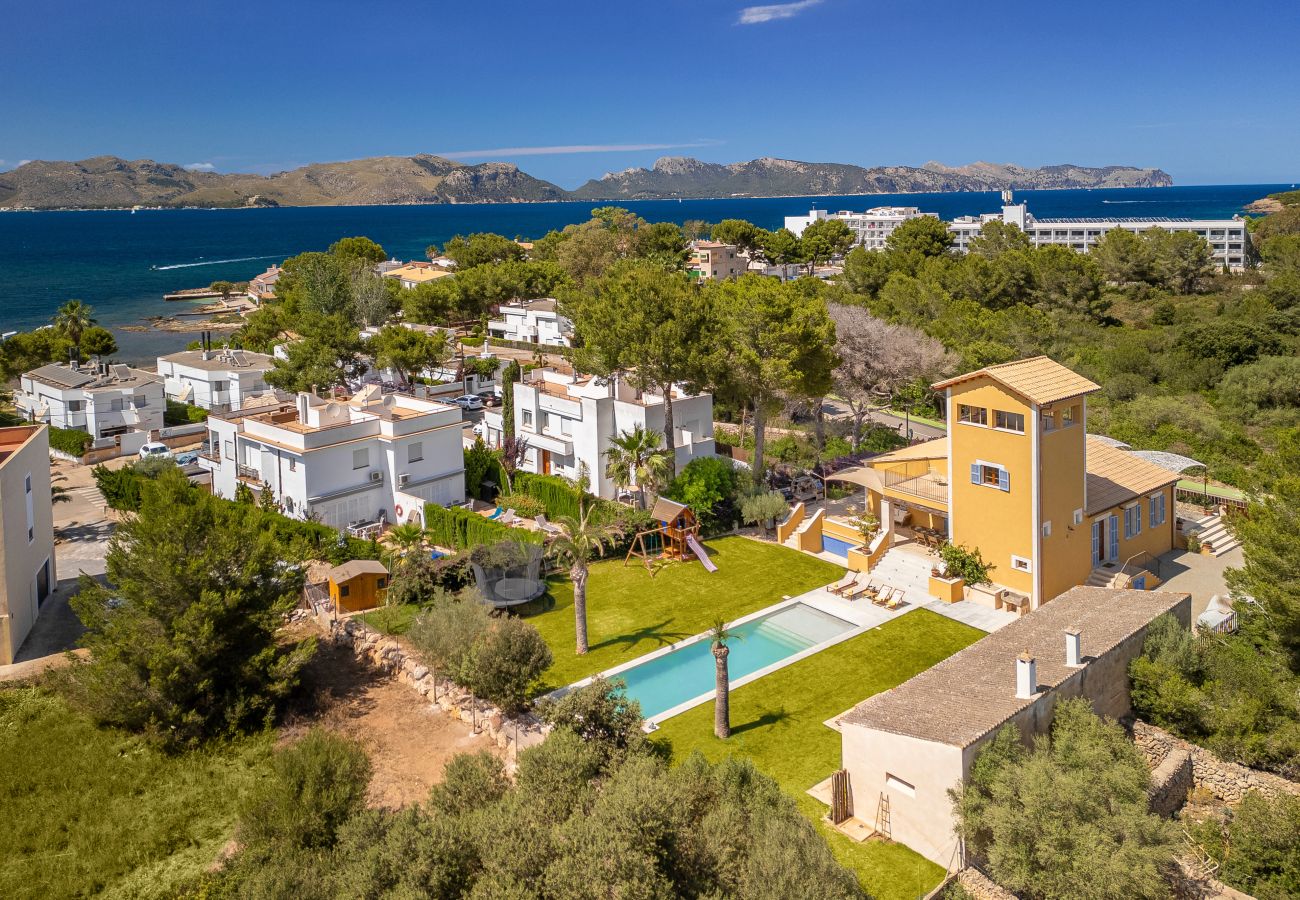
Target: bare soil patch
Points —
{"points": [[409, 740]]}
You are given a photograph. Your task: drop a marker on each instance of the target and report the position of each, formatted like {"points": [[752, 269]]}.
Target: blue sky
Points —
{"points": [[1207, 91]]}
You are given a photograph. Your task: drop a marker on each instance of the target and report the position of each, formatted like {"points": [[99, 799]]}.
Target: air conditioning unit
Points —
{"points": [[376, 476], [403, 479]]}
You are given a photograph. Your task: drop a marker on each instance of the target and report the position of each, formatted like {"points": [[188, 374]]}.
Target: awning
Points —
{"points": [[863, 476], [1174, 462]]}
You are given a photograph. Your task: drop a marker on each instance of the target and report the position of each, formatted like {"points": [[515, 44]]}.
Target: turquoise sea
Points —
{"points": [[122, 263]]}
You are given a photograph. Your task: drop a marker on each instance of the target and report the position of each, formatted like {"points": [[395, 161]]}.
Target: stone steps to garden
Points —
{"points": [[1212, 532]]}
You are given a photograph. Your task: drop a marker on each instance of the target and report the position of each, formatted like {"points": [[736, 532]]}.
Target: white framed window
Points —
{"points": [[990, 475], [972, 415], [527, 418], [1157, 503], [1047, 528], [76, 405], [894, 783], [1008, 421], [1078, 517], [1132, 520], [1020, 564], [228, 449], [293, 464], [415, 451], [361, 458]]}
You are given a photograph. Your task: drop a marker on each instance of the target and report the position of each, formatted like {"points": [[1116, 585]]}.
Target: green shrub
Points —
{"points": [[708, 486], [178, 413], [968, 565], [505, 662], [316, 785], [525, 507], [443, 634], [461, 529], [70, 441], [1262, 835]]}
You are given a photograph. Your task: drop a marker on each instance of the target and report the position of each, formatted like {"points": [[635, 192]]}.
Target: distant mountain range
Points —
{"points": [[109, 182]]}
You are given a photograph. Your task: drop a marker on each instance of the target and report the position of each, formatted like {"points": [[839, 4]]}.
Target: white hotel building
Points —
{"points": [[569, 422], [1228, 239], [342, 463], [871, 227]]}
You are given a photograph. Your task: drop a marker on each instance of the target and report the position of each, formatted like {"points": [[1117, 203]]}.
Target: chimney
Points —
{"points": [[73, 364], [1026, 676], [1073, 656]]}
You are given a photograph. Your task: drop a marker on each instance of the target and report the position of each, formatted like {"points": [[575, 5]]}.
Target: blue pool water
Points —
{"points": [[686, 673], [835, 545]]}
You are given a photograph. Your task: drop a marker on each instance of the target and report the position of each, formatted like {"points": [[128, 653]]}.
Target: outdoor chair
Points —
{"points": [[839, 587], [546, 526], [883, 597], [508, 517], [858, 590], [895, 600]]}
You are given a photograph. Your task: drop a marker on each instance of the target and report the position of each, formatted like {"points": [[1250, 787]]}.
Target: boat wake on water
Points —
{"points": [[212, 262]]}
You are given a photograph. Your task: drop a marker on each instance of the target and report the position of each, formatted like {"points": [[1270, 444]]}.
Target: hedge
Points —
{"points": [[178, 413], [558, 495], [461, 529], [70, 441]]}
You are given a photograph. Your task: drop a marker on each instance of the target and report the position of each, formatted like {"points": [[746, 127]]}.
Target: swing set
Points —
{"points": [[676, 536]]}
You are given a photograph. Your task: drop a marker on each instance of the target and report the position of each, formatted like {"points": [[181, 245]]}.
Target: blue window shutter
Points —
{"points": [[1004, 480], [1137, 519], [974, 473], [1114, 536]]}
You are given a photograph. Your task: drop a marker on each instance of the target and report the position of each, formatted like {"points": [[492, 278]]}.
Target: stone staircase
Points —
{"points": [[796, 540], [1214, 533], [908, 571]]}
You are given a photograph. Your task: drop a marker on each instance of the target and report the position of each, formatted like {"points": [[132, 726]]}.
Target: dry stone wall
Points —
{"points": [[982, 887], [1226, 780], [511, 734]]}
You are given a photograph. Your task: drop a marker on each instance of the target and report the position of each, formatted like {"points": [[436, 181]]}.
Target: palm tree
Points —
{"points": [[73, 318], [637, 457], [402, 539], [579, 542], [719, 635]]}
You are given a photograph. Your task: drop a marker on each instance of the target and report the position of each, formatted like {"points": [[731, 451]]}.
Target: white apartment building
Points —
{"points": [[569, 422], [106, 401], [215, 380], [342, 462], [27, 572], [532, 322], [711, 260], [872, 227], [1228, 238]]}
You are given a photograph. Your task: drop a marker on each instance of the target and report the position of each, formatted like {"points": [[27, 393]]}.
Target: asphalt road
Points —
{"points": [[838, 410]]}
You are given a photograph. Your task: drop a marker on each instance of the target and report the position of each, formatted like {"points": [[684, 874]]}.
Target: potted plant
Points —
{"points": [[968, 565], [868, 526]]}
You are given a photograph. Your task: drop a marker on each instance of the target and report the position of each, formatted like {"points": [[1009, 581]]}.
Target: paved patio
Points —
{"points": [[1199, 575]]}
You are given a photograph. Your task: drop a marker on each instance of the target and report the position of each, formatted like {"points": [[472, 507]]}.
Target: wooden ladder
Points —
{"points": [[882, 816]]}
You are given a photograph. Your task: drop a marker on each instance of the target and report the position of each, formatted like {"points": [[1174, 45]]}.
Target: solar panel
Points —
{"points": [[238, 358], [120, 371]]}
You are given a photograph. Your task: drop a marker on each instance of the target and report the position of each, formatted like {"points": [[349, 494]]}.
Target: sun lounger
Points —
{"points": [[843, 584], [546, 526], [895, 601], [508, 517], [883, 596], [858, 590]]}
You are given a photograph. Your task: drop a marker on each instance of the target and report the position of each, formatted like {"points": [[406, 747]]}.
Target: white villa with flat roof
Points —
{"points": [[105, 400], [872, 227], [532, 322], [570, 421], [375, 456], [215, 380]]}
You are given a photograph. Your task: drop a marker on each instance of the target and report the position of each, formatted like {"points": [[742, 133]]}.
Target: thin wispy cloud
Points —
{"points": [[200, 167], [573, 148], [756, 15]]}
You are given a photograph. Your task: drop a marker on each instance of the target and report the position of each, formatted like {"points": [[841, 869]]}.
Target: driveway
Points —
{"points": [[1199, 575]]}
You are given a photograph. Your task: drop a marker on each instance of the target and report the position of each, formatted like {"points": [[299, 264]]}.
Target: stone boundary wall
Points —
{"points": [[982, 887], [381, 651], [1226, 780], [1170, 783]]}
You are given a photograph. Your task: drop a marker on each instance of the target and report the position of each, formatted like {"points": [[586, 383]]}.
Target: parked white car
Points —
{"points": [[155, 450], [470, 402]]}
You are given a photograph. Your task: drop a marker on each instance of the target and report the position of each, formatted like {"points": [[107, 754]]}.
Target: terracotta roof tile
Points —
{"points": [[1040, 379], [1116, 476]]}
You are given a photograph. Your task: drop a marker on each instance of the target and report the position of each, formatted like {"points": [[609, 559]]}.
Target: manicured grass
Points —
{"points": [[630, 614], [391, 619], [777, 721], [91, 811]]}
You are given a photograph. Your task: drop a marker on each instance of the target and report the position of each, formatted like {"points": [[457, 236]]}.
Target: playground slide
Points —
{"points": [[699, 552]]}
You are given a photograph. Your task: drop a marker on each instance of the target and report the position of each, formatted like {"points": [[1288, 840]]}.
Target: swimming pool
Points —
{"points": [[686, 673]]}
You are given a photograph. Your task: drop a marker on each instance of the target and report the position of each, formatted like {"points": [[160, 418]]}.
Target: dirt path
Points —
{"points": [[408, 738]]}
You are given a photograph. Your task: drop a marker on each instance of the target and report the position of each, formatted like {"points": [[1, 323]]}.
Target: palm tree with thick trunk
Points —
{"points": [[719, 636], [637, 458], [73, 319], [580, 541]]}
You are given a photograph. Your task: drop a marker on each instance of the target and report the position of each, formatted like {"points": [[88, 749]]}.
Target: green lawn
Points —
{"points": [[96, 812], [777, 722], [630, 614]]}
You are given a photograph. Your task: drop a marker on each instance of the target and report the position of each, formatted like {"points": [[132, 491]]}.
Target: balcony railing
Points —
{"points": [[248, 473], [929, 486]]}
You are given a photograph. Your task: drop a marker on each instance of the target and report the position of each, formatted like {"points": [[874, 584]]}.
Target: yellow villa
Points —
{"points": [[1018, 477]]}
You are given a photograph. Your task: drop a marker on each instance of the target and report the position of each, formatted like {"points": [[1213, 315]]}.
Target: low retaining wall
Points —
{"points": [[981, 887], [1226, 780], [511, 734], [1171, 781]]}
